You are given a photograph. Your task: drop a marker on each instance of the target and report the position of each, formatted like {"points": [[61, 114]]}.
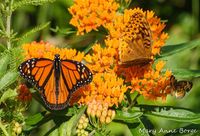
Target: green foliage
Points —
{"points": [[21, 3], [128, 116], [7, 95], [186, 73], [68, 128], [9, 78], [173, 49], [32, 31], [119, 129], [169, 112], [2, 48], [4, 61]]}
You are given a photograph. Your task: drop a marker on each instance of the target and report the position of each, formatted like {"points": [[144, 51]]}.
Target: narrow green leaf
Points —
{"points": [[170, 113], [172, 49], [54, 133], [2, 48], [66, 31], [9, 78], [34, 30], [186, 73], [4, 61], [127, 116], [33, 120], [1, 20], [88, 48], [8, 94], [21, 3], [137, 128], [3, 128], [67, 128]]}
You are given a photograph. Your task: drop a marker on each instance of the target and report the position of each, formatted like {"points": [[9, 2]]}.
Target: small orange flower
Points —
{"points": [[24, 94], [88, 15]]}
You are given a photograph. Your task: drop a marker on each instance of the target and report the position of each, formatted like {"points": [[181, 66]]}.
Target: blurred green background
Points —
{"points": [[181, 17]]}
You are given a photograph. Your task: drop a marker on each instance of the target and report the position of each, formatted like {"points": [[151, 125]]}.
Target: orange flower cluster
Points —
{"points": [[102, 59], [24, 94], [88, 15], [47, 50], [153, 84], [105, 88]]}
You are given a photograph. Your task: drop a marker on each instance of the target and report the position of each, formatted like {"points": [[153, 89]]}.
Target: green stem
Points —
{"points": [[3, 129], [8, 23]]}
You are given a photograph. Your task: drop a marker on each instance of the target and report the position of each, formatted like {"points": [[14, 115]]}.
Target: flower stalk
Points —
{"points": [[8, 23]]}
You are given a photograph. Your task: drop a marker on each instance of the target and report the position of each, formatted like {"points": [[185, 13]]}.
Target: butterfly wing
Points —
{"points": [[179, 88], [137, 47], [72, 75], [36, 71], [40, 72], [55, 91]]}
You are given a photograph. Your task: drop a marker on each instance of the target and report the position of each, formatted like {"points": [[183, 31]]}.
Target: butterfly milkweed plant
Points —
{"points": [[97, 68]]}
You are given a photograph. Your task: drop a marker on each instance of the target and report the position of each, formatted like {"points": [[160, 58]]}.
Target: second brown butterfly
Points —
{"points": [[179, 88]]}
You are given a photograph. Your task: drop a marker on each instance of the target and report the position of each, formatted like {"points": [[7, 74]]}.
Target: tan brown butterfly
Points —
{"points": [[135, 48], [179, 88]]}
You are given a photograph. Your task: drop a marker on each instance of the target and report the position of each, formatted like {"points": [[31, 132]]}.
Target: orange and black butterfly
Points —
{"points": [[55, 79], [179, 88]]}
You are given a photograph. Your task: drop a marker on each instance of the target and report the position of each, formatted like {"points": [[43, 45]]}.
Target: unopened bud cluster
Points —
{"points": [[17, 128], [101, 111], [82, 125]]}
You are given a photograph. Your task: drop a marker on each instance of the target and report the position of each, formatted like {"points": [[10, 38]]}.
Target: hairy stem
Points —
{"points": [[8, 23]]}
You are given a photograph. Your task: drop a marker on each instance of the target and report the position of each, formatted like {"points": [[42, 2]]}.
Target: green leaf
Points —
{"points": [[137, 128], [185, 73], [8, 94], [169, 112], [127, 116], [21, 3], [118, 129], [66, 31], [173, 49], [34, 30], [2, 47], [9, 78], [36, 120], [1, 21], [33, 120], [67, 128], [4, 61]]}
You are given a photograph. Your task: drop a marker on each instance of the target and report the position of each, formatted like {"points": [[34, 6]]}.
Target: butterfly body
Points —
{"points": [[55, 79], [179, 88]]}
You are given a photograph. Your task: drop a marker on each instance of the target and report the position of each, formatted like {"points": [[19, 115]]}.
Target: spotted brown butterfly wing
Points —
{"points": [[135, 47], [55, 79], [179, 88]]}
